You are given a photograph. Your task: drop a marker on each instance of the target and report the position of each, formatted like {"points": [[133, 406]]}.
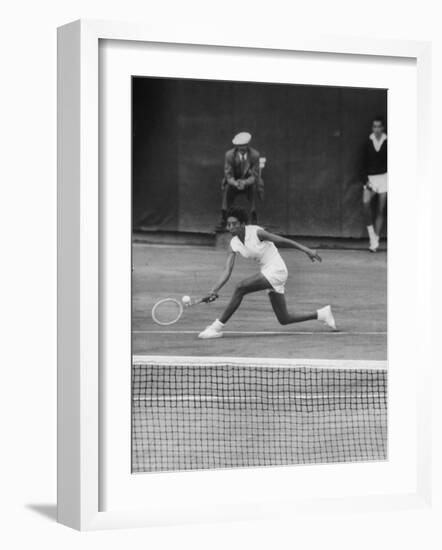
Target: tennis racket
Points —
{"points": [[169, 310]]}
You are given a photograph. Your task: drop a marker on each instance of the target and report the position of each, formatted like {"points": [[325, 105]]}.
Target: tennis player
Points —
{"points": [[376, 184], [253, 242]]}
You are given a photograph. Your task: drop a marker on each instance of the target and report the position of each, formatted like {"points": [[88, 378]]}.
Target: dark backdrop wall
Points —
{"points": [[311, 136]]}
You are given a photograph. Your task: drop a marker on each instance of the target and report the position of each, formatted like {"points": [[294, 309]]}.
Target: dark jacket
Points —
{"points": [[375, 161], [250, 173]]}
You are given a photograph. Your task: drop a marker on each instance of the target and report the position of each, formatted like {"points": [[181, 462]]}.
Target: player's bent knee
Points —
{"points": [[282, 319]]}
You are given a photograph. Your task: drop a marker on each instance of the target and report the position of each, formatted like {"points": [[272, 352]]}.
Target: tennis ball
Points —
{"points": [[186, 300]]}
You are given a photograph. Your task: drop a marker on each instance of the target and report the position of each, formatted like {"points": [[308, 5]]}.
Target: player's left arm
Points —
{"points": [[264, 235]]}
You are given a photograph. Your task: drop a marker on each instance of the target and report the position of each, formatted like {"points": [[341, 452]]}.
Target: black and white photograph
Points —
{"points": [[221, 232], [259, 274]]}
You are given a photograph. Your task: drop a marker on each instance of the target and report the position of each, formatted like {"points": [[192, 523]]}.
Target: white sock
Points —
{"points": [[371, 232], [217, 324]]}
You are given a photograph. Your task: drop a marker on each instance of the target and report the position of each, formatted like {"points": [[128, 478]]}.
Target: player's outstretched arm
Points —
{"points": [[224, 277], [277, 239]]}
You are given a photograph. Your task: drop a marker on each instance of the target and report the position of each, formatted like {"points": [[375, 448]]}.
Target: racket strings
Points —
{"points": [[167, 311]]}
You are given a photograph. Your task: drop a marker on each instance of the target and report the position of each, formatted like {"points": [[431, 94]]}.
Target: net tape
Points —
{"points": [[200, 416]]}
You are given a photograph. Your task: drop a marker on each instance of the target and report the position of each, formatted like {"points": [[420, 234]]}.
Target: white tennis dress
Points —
{"points": [[272, 266]]}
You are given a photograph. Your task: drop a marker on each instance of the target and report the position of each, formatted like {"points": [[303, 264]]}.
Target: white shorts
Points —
{"points": [[378, 183], [277, 276]]}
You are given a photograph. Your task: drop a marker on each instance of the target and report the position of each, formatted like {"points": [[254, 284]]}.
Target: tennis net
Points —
{"points": [[201, 413]]}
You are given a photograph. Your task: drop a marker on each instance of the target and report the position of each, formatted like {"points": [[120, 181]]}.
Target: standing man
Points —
{"points": [[376, 181], [241, 176]]}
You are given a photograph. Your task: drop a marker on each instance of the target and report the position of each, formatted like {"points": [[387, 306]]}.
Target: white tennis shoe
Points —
{"points": [[374, 244], [325, 315], [212, 331]]}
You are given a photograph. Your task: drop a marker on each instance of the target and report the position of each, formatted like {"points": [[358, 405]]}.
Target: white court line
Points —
{"points": [[256, 399], [265, 332], [204, 361]]}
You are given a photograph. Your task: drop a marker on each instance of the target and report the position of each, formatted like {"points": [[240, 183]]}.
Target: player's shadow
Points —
{"points": [[49, 511]]}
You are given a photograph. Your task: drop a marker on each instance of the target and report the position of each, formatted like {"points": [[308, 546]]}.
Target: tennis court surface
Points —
{"points": [[264, 394], [353, 282]]}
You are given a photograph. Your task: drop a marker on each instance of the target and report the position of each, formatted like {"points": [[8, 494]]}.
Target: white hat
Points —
{"points": [[243, 138]]}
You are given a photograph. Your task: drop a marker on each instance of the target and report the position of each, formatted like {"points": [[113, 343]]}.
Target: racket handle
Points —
{"points": [[207, 299]]}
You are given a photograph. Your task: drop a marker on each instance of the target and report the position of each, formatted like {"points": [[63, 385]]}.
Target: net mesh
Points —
{"points": [[188, 417]]}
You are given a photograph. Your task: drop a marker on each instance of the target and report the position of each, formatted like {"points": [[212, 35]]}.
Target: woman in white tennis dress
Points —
{"points": [[253, 242]]}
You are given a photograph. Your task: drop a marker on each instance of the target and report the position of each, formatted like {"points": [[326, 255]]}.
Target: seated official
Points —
{"points": [[241, 176]]}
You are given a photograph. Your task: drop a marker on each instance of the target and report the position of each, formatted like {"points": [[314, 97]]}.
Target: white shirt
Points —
{"points": [[377, 143], [264, 252]]}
